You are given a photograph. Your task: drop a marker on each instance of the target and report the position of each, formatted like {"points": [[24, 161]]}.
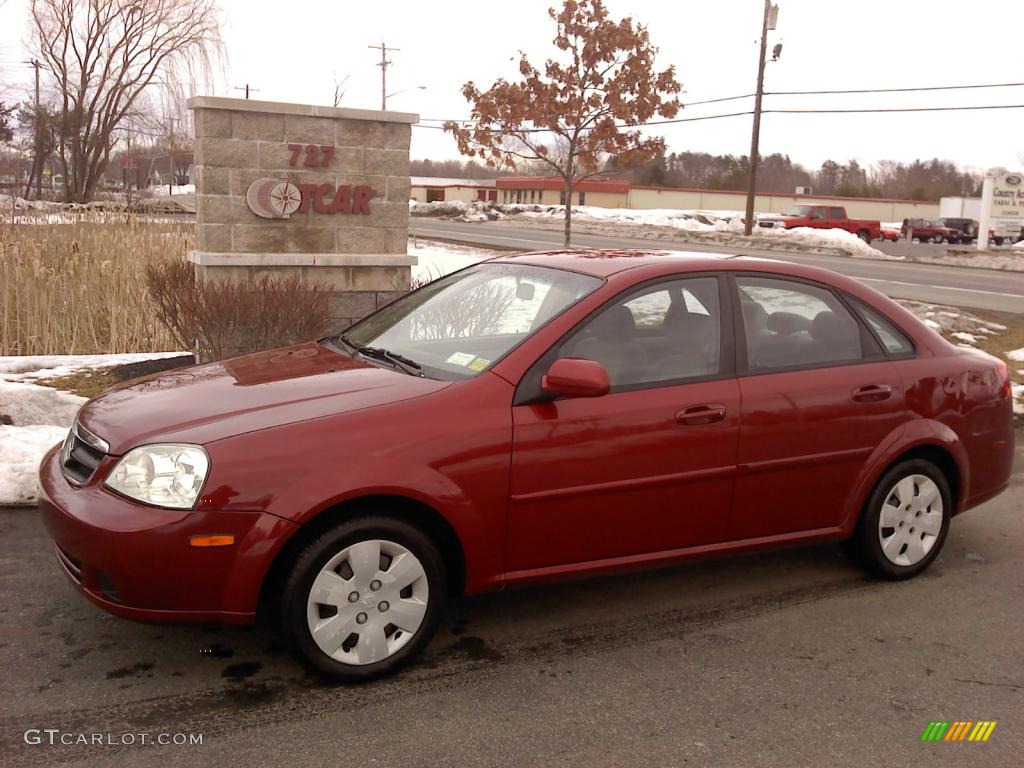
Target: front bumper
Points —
{"points": [[136, 561]]}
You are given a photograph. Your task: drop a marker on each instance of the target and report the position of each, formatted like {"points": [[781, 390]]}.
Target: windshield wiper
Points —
{"points": [[398, 361]]}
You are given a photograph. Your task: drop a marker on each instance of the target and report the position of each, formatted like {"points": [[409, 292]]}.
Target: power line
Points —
{"points": [[673, 121], [894, 90], [894, 109]]}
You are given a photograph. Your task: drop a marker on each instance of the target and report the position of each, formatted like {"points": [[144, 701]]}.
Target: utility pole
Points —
{"points": [[37, 161], [769, 11], [384, 62], [245, 88], [170, 155]]}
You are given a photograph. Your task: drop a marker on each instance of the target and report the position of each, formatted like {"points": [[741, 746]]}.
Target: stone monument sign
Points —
{"points": [[322, 192]]}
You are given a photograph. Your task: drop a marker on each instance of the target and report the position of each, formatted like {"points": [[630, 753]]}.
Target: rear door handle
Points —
{"points": [[872, 393], [695, 415]]}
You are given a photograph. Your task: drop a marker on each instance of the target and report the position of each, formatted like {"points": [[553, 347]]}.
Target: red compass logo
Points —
{"points": [[273, 198]]}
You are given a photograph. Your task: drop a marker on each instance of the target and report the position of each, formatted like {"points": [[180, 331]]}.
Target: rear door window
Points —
{"points": [[790, 324]]}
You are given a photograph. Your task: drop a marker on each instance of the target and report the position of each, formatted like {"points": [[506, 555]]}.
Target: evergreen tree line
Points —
{"points": [[917, 180]]}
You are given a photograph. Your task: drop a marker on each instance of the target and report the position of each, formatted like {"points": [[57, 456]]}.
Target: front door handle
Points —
{"points": [[872, 393], [695, 415]]}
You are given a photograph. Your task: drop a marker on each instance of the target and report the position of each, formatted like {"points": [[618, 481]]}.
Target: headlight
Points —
{"points": [[169, 475]]}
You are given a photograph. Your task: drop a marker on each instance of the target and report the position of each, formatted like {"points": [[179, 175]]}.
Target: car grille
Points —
{"points": [[81, 454]]}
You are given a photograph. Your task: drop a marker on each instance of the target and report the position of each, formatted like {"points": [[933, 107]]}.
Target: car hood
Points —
{"points": [[203, 403]]}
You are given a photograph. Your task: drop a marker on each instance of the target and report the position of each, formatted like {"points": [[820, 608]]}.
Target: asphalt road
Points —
{"points": [[791, 658], [957, 286]]}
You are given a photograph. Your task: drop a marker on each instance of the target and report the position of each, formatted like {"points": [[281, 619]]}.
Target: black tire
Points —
{"points": [[997, 240], [866, 546], [865, 236], [312, 559]]}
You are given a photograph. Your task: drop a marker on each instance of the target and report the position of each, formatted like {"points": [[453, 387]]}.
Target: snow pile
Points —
{"points": [[439, 208], [831, 238], [23, 449], [26, 404], [1016, 354], [40, 416], [40, 419]]}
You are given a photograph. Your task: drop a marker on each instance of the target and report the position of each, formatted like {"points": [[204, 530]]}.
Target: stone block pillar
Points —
{"points": [[322, 192]]}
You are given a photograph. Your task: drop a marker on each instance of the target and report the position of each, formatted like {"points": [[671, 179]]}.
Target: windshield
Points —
{"points": [[798, 210], [456, 327]]}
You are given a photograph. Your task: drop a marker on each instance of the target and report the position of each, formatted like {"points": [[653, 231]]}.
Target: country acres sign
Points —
{"points": [[277, 198], [1008, 196]]}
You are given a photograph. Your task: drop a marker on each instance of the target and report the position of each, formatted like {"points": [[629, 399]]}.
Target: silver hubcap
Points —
{"points": [[911, 520], [367, 602]]}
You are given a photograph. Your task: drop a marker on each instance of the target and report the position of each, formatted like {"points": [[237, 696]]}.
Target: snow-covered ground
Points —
{"points": [[40, 416]]}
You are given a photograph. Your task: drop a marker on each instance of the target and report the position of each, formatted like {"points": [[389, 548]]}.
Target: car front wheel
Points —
{"points": [[905, 522], [363, 598]]}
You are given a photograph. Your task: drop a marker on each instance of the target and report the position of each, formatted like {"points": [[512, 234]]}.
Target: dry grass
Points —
{"points": [[80, 288]]}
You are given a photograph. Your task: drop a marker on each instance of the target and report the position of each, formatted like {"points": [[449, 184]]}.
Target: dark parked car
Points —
{"points": [[968, 228], [929, 231], [530, 418]]}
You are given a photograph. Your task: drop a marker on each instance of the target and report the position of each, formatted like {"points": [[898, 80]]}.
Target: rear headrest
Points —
{"points": [[754, 314], [787, 322], [828, 327]]}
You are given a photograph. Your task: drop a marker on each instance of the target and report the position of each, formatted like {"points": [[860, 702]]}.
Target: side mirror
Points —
{"points": [[574, 377]]}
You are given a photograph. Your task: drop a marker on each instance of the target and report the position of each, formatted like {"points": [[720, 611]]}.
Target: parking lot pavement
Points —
{"points": [[785, 659]]}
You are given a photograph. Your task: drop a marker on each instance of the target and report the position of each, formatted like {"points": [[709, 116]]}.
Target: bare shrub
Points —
{"points": [[225, 317]]}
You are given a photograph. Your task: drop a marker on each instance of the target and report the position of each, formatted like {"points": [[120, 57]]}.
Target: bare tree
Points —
{"points": [[340, 87], [102, 55]]}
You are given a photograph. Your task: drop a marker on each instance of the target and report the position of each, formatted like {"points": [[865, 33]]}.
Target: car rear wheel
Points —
{"points": [[363, 598], [905, 522], [937, 239], [865, 236]]}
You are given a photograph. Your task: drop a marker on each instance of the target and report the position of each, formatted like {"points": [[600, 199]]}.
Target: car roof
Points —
{"points": [[604, 262], [643, 264]]}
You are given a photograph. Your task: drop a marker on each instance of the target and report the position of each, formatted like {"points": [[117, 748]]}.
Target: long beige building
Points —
{"points": [[541, 190]]}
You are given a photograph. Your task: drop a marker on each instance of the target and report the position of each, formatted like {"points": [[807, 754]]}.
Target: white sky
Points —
{"points": [[293, 51]]}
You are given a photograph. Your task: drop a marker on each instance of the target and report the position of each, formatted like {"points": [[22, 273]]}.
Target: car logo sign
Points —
{"points": [[1013, 179], [273, 198]]}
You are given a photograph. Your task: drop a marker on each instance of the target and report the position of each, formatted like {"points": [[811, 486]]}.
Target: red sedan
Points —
{"points": [[525, 419]]}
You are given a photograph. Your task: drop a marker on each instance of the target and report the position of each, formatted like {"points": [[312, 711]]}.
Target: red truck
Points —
{"points": [[824, 217]]}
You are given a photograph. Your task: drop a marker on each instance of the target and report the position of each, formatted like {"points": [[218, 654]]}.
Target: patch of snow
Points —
{"points": [[22, 450], [31, 404], [1018, 398], [1016, 354], [32, 367], [41, 417], [970, 338]]}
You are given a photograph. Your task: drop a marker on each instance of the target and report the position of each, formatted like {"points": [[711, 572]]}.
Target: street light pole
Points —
{"points": [[748, 219]]}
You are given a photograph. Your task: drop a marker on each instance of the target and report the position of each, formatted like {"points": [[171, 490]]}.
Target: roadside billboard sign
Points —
{"points": [[1008, 197]]}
